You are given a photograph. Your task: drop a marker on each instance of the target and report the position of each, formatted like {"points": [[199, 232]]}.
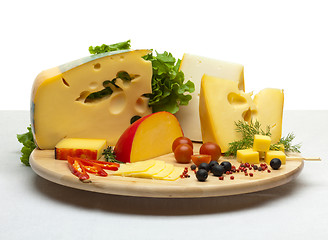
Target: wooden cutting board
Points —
{"points": [[44, 164]]}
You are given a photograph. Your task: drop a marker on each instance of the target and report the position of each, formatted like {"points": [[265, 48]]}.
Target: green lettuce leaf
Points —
{"points": [[28, 145]]}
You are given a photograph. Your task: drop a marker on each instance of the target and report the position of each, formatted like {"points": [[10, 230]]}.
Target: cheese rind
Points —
{"points": [[81, 148], [61, 104], [194, 67]]}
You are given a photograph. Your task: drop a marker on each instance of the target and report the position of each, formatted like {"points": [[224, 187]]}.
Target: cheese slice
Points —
{"points": [[194, 67], [137, 167], [93, 97], [155, 169], [222, 104], [175, 174], [165, 172]]}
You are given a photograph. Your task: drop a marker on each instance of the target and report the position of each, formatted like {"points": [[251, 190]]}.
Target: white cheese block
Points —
{"points": [[62, 104], [194, 67]]}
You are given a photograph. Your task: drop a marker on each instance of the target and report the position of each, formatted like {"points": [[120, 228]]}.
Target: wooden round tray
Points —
{"points": [[44, 164]]}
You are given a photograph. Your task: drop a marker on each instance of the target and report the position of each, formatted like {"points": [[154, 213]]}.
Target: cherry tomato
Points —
{"points": [[182, 153], [212, 149], [200, 158], [181, 140]]}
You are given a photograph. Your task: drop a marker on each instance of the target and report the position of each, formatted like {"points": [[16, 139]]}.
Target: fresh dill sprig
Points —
{"points": [[110, 155], [248, 130], [287, 143]]}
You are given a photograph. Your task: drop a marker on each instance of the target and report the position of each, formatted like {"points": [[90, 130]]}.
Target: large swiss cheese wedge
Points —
{"points": [[221, 103], [93, 97], [148, 137], [194, 67]]}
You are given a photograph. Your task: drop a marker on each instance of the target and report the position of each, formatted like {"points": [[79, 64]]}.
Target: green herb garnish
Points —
{"points": [[27, 140], [109, 48], [168, 87], [248, 130], [110, 155], [167, 84], [286, 141]]}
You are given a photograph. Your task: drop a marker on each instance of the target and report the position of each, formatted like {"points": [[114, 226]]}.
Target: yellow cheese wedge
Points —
{"points": [[269, 104], [93, 97], [80, 147], [194, 67], [221, 104]]}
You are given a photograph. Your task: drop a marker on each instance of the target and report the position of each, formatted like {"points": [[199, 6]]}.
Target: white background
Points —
{"points": [[282, 44]]}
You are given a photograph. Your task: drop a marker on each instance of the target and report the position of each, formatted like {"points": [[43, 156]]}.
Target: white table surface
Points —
{"points": [[34, 208]]}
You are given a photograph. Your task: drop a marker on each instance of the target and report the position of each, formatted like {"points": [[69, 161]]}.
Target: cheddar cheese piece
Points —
{"points": [[93, 97], [261, 143], [248, 156], [194, 67], [275, 154], [79, 147]]}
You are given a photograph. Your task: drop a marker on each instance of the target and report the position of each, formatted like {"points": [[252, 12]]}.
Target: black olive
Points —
{"points": [[275, 163], [226, 165], [217, 170], [201, 175], [205, 166]]}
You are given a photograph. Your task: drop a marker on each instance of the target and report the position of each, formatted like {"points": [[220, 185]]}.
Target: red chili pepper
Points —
{"points": [[77, 168], [92, 167], [105, 165]]}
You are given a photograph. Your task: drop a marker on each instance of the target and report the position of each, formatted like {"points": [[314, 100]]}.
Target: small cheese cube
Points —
{"points": [[80, 147], [261, 143], [275, 154], [248, 156]]}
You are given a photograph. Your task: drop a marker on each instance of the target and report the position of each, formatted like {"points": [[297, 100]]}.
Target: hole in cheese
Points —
{"points": [[247, 115], [141, 105], [97, 66], [117, 103], [65, 83], [82, 96], [93, 85], [236, 99]]}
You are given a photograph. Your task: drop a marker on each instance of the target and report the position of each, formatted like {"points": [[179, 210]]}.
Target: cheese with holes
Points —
{"points": [[93, 97], [222, 104], [194, 67]]}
